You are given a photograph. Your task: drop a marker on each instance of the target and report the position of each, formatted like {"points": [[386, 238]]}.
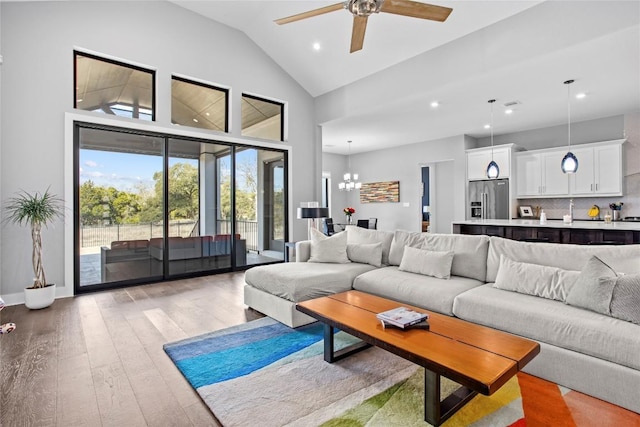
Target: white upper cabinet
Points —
{"points": [[479, 158], [528, 174], [539, 174], [599, 170]]}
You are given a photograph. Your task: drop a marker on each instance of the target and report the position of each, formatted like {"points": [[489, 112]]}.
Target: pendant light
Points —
{"points": [[493, 170], [350, 180], [569, 161]]}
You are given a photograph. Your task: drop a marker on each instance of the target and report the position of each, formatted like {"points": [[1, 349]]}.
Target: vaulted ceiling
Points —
{"points": [[508, 50]]}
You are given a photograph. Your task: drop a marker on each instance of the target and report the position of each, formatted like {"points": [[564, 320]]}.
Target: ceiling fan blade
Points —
{"points": [[310, 14], [416, 9], [357, 34]]}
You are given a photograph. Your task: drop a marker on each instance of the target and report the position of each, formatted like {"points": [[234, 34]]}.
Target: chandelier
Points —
{"points": [[350, 181]]}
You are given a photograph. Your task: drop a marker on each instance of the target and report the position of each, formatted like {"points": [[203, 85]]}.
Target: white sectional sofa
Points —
{"points": [[542, 291]]}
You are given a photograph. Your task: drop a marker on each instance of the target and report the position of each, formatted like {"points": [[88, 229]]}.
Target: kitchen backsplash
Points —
{"points": [[556, 208]]}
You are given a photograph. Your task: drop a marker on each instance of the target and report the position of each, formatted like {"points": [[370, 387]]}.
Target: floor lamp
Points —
{"points": [[312, 214]]}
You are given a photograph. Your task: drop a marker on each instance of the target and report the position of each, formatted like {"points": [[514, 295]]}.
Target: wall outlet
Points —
{"points": [[406, 204]]}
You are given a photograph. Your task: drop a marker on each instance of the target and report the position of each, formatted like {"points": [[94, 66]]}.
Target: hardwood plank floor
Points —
{"points": [[97, 359]]}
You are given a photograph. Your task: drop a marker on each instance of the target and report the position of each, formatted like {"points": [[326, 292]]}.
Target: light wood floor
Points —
{"points": [[97, 359]]}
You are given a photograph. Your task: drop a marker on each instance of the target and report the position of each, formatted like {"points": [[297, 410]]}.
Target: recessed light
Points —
{"points": [[316, 46], [435, 104], [195, 120], [508, 111], [487, 126], [207, 114], [581, 95]]}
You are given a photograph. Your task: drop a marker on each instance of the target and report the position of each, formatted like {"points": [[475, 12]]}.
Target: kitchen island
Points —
{"points": [[554, 231]]}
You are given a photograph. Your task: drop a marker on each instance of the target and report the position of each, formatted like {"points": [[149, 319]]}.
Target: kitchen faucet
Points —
{"points": [[571, 210]]}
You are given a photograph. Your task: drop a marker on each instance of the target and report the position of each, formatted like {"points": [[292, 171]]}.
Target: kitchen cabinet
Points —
{"points": [[538, 174], [478, 159], [599, 170], [573, 234]]}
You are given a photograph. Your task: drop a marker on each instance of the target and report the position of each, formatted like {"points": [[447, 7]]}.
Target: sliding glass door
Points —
{"points": [[155, 207], [120, 206]]}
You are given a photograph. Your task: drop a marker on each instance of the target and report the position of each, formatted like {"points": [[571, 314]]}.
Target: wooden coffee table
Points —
{"points": [[478, 358]]}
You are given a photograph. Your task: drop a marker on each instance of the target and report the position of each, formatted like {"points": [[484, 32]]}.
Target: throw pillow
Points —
{"points": [[369, 253], [625, 301], [428, 263], [328, 249], [534, 279], [589, 291]]}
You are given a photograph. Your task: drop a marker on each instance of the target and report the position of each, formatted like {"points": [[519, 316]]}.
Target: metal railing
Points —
{"points": [[103, 235]]}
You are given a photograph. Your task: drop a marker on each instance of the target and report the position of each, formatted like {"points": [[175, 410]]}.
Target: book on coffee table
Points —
{"points": [[424, 325], [401, 317]]}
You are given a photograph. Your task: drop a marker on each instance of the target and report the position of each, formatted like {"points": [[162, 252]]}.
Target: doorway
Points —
{"points": [[437, 201]]}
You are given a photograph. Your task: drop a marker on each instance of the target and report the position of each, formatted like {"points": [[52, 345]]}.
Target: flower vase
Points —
{"points": [[349, 220]]}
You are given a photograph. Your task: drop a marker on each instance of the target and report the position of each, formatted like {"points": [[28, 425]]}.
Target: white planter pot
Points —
{"points": [[39, 297]]}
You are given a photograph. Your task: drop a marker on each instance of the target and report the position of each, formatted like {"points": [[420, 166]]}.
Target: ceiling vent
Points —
{"points": [[512, 103]]}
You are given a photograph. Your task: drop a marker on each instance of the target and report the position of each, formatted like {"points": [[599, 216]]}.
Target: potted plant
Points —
{"points": [[36, 210]]}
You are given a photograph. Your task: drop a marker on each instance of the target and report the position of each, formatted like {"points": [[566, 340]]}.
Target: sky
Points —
{"points": [[125, 171]]}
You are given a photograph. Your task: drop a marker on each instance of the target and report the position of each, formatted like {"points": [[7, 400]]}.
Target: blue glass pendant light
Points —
{"points": [[569, 161], [493, 170]]}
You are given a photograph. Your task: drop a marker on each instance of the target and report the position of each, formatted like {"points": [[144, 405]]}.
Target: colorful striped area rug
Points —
{"points": [[264, 373]]}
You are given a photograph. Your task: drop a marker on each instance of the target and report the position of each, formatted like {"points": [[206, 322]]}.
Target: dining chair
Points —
{"points": [[364, 223], [373, 223], [328, 227]]}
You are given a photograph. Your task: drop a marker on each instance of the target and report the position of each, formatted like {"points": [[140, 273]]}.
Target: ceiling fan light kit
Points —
{"points": [[362, 9]]}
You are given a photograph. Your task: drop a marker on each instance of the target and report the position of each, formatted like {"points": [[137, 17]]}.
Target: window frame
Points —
{"points": [[77, 52], [282, 105], [196, 82]]}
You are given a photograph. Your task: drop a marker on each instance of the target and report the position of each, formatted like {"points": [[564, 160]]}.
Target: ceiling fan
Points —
{"points": [[361, 9]]}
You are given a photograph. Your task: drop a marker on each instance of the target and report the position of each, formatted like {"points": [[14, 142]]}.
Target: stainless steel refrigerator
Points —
{"points": [[488, 199]]}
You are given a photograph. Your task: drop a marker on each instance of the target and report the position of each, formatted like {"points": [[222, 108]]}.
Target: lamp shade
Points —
{"points": [[306, 213], [493, 170], [569, 163]]}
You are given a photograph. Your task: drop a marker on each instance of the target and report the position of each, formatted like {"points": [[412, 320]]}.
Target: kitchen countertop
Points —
{"points": [[554, 223]]}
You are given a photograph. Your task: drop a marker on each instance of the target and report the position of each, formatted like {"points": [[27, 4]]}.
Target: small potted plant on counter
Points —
{"points": [[36, 210]]}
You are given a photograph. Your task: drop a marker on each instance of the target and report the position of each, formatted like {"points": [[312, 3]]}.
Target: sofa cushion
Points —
{"points": [[300, 281], [328, 249], [534, 279], [359, 235], [366, 253], [470, 252], [415, 289], [552, 322], [623, 258], [591, 292], [429, 263], [402, 239], [625, 301]]}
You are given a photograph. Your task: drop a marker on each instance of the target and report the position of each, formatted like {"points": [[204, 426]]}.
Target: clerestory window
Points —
{"points": [[112, 87]]}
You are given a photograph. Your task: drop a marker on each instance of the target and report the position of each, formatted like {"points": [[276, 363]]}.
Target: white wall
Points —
{"points": [[602, 129], [404, 164], [37, 43], [336, 166]]}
